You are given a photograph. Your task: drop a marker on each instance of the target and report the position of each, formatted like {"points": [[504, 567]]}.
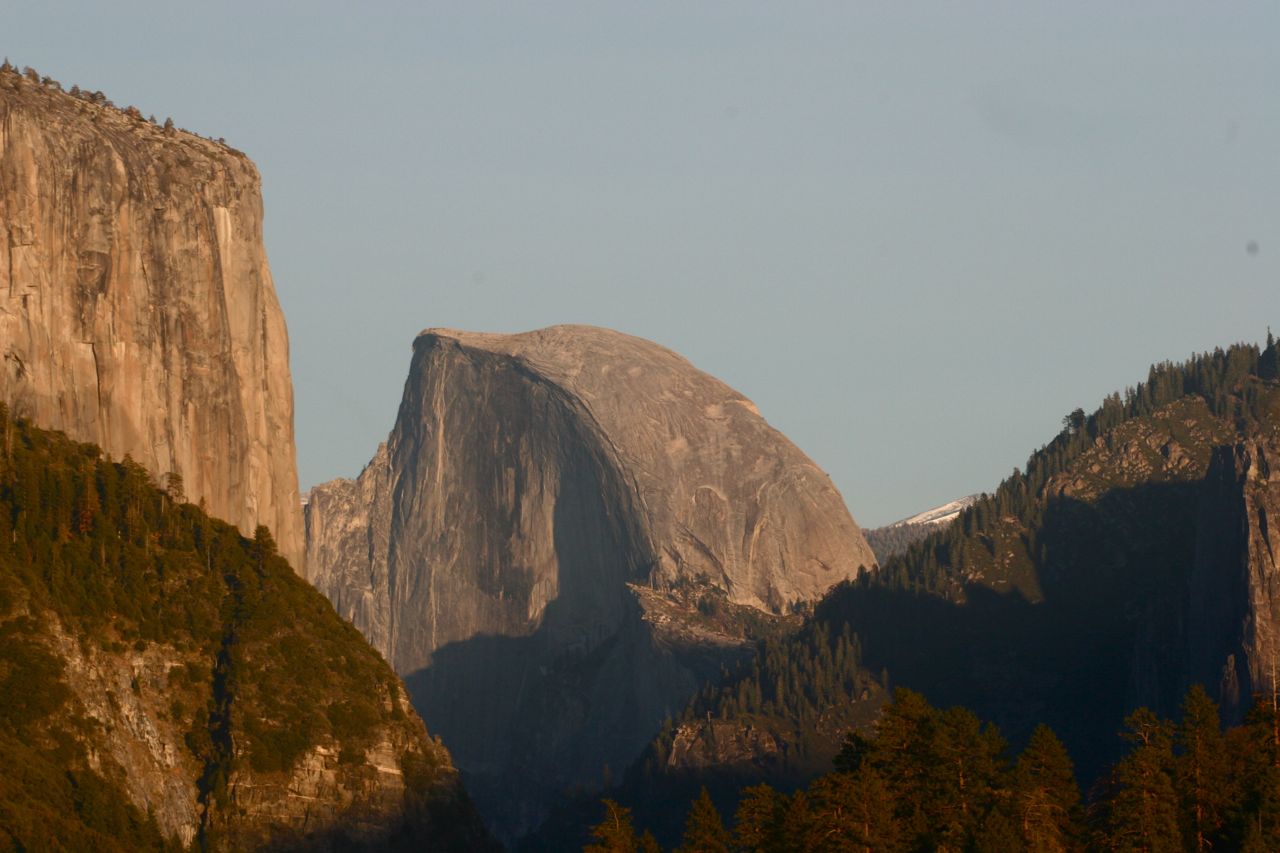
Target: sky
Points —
{"points": [[916, 235]]}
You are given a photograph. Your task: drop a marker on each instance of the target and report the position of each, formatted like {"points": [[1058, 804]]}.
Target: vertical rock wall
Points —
{"points": [[1234, 616], [136, 305]]}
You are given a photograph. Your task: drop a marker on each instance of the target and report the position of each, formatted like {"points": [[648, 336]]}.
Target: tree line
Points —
{"points": [[927, 779], [1221, 378]]}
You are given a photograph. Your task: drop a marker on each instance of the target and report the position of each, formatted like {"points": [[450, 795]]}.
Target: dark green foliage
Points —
{"points": [[46, 807], [704, 831], [1046, 798], [1202, 773], [930, 779], [759, 819], [1142, 812], [1269, 361], [1254, 751], [888, 542], [614, 834], [31, 686], [806, 679], [95, 549]]}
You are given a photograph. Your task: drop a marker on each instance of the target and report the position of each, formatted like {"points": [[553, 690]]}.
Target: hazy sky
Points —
{"points": [[915, 234]]}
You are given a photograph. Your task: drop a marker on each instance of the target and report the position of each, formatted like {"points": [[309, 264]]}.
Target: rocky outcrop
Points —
{"points": [[136, 305], [544, 504], [1234, 618], [324, 801]]}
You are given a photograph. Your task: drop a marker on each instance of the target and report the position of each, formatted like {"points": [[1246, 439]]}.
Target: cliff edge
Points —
{"points": [[137, 310]]}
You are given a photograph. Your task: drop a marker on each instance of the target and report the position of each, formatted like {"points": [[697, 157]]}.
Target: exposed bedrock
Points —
{"points": [[566, 530], [137, 309], [1234, 624]]}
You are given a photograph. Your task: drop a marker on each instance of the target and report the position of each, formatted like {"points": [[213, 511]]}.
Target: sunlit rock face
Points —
{"points": [[137, 310], [531, 546]]}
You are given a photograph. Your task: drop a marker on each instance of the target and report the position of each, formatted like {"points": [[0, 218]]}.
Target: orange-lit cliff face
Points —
{"points": [[136, 306]]}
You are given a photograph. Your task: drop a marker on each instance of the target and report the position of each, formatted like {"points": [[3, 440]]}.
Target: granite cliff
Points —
{"points": [[566, 532], [1234, 616], [137, 309]]}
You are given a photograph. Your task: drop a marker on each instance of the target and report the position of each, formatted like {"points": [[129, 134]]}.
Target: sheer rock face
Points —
{"points": [[540, 497], [556, 466], [1234, 625], [136, 306]]}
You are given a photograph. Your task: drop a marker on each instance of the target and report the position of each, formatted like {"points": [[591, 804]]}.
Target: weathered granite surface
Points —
{"points": [[556, 466], [508, 547], [137, 309]]}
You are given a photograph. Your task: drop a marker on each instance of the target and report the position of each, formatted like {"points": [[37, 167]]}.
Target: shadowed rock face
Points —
{"points": [[1234, 624], [136, 306], [540, 495]]}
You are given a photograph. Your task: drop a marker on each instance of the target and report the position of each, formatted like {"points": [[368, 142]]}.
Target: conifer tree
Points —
{"points": [[902, 756], [1255, 751], [1269, 361], [852, 812], [1201, 771], [998, 834], [965, 771], [797, 824], [758, 821], [1046, 797], [614, 834], [704, 830], [1144, 810]]}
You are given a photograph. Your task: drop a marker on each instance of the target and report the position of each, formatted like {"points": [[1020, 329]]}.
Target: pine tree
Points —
{"points": [[1269, 361], [1046, 797], [704, 830], [614, 834], [965, 770], [1201, 771], [758, 821], [998, 834], [1255, 751], [852, 812], [1143, 813], [903, 756]]}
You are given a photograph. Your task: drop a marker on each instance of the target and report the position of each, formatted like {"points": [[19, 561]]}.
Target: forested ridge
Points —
{"points": [[100, 566], [1060, 598], [925, 779], [1225, 380]]}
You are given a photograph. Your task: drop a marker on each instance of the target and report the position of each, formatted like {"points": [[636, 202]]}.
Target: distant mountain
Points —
{"points": [[939, 514], [893, 539], [568, 531]]}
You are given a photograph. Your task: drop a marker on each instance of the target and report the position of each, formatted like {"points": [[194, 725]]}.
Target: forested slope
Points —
{"points": [[1129, 561], [165, 681]]}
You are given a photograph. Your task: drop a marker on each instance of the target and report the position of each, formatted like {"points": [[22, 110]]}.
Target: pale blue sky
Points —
{"points": [[915, 234]]}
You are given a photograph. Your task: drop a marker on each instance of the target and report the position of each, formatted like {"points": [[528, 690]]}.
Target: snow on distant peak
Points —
{"points": [[939, 514]]}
